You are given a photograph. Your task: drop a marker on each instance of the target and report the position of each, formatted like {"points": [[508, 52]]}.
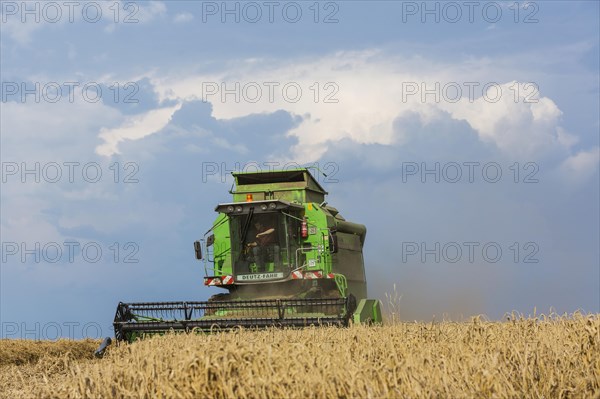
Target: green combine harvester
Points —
{"points": [[283, 258]]}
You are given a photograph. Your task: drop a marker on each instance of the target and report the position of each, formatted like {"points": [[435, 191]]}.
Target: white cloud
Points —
{"points": [[21, 217], [183, 17], [38, 134], [36, 209], [30, 129], [20, 33], [581, 166], [566, 139], [135, 127], [20, 20], [516, 124], [151, 11], [358, 95]]}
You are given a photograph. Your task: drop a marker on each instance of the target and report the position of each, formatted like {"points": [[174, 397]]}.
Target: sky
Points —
{"points": [[464, 135]]}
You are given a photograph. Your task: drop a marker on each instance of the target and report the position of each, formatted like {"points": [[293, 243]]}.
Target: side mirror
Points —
{"points": [[333, 242], [198, 249], [210, 240]]}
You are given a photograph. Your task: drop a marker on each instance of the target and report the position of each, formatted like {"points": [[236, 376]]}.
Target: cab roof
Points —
{"points": [[299, 178]]}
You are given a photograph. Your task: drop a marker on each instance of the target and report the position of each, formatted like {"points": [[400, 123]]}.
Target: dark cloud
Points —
{"points": [[132, 97], [557, 227], [171, 205]]}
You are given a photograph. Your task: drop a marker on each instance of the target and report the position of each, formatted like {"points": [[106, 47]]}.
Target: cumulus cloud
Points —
{"points": [[358, 95], [20, 20], [581, 166], [516, 123], [134, 128]]}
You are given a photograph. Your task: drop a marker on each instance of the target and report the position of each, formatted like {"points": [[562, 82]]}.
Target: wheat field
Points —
{"points": [[536, 357]]}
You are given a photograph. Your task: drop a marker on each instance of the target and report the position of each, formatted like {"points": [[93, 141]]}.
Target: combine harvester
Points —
{"points": [[284, 256]]}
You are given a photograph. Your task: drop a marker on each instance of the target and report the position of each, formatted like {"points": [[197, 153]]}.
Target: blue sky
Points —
{"points": [[374, 93]]}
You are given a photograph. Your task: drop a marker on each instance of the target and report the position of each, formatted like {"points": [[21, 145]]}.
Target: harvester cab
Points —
{"points": [[280, 255]]}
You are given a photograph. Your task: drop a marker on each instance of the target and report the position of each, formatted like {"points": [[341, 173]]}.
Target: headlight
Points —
{"points": [[263, 207], [272, 205], [230, 209], [238, 208]]}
